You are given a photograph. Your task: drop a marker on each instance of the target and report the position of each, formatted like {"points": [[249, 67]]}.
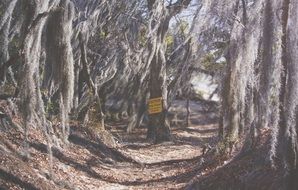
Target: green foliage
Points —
{"points": [[14, 45], [199, 94], [225, 146], [103, 34], [142, 37], [220, 45], [209, 63], [183, 27], [221, 148], [9, 88], [52, 108], [170, 40], [273, 99]]}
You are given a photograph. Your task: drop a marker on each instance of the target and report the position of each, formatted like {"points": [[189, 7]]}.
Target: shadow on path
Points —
{"points": [[71, 162], [90, 172], [17, 181]]}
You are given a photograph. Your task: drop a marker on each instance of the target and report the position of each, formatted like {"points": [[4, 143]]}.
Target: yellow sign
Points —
{"points": [[155, 105]]}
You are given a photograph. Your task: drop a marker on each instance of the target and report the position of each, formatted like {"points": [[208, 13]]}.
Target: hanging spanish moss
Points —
{"points": [[60, 58], [290, 143], [5, 24], [30, 71], [77, 68]]}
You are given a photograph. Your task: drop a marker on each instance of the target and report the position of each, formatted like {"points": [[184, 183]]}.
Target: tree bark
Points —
{"points": [[159, 129], [290, 140], [187, 113]]}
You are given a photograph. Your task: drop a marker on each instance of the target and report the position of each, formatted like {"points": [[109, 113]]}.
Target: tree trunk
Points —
{"points": [[187, 113], [290, 140], [159, 129]]}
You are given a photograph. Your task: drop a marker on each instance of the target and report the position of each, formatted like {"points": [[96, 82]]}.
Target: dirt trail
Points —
{"points": [[84, 164]]}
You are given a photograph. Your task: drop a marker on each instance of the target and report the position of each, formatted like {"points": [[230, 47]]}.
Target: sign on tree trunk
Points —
{"points": [[155, 105]]}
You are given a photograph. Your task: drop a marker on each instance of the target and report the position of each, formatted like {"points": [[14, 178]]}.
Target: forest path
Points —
{"points": [[169, 165], [187, 141], [134, 164]]}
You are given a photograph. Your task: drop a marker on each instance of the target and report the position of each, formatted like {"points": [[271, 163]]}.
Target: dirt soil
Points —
{"points": [[245, 171], [133, 163], [86, 163]]}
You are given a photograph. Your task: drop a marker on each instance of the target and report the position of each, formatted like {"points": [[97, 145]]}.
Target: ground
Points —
{"points": [[133, 163]]}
